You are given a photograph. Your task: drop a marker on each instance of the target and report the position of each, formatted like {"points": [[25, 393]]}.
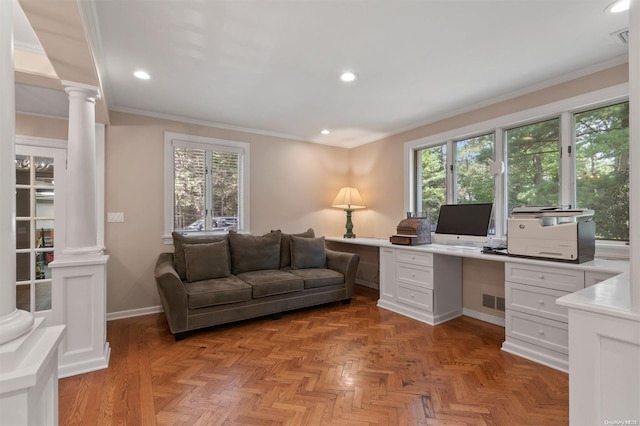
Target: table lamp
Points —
{"points": [[348, 199]]}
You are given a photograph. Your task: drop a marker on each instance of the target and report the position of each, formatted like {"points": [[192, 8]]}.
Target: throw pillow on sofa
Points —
{"points": [[307, 253], [254, 253], [285, 246], [180, 240], [206, 261]]}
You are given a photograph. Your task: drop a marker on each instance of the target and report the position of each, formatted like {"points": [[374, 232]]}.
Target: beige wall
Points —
{"points": [[292, 186], [292, 182]]}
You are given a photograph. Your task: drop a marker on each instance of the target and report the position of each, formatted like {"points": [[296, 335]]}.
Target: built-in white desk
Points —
{"points": [[424, 282]]}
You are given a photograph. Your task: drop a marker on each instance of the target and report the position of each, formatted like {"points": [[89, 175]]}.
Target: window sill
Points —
{"points": [[612, 250]]}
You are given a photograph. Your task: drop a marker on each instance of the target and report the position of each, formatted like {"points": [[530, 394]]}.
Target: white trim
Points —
{"points": [[521, 92], [243, 148], [483, 317], [112, 316], [36, 49], [41, 142], [208, 123], [611, 94]]}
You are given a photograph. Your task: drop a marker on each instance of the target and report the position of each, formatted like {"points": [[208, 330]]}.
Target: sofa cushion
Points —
{"points": [[180, 240], [207, 261], [319, 277], [285, 246], [307, 253], [254, 253], [271, 282], [220, 291]]}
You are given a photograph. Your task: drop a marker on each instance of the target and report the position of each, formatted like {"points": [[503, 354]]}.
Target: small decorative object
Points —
{"points": [[414, 230], [348, 199]]}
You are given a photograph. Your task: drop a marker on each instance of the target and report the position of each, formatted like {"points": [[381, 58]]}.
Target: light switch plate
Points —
{"points": [[115, 217]]}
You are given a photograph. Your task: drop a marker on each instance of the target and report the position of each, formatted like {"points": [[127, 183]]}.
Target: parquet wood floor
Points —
{"points": [[332, 365]]}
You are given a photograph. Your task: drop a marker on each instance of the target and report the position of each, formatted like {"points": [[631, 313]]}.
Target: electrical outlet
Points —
{"points": [[115, 217]]}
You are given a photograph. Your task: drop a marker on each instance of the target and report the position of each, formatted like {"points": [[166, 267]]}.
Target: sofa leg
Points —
{"points": [[276, 316], [180, 336], [346, 301]]}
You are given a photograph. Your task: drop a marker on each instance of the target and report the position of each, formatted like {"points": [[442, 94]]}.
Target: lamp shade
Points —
{"points": [[348, 198]]}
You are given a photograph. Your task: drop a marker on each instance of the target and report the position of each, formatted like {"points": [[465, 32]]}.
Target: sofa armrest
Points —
{"points": [[172, 293], [346, 264]]}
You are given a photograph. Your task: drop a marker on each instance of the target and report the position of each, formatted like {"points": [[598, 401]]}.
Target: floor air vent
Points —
{"points": [[488, 301]]}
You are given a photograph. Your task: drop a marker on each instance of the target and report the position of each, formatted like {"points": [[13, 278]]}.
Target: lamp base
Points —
{"points": [[349, 225]]}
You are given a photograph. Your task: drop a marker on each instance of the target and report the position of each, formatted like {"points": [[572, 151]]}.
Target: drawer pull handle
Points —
{"points": [[413, 275], [541, 332], [541, 276], [413, 296], [541, 302]]}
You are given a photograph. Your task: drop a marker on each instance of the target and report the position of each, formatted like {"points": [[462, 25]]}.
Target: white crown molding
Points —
{"points": [[35, 114], [207, 123], [29, 47], [520, 92]]}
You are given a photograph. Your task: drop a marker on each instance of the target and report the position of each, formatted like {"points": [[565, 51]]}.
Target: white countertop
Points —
{"points": [[595, 265]]}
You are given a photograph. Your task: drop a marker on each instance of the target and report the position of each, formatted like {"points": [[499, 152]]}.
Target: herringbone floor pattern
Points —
{"points": [[336, 364]]}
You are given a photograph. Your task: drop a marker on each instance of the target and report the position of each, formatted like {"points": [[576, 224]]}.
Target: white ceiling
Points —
{"points": [[272, 65]]}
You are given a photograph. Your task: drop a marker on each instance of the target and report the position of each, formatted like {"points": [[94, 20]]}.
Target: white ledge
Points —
{"points": [[610, 297]]}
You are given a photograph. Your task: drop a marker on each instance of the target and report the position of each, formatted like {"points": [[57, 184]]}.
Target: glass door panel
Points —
{"points": [[35, 219]]}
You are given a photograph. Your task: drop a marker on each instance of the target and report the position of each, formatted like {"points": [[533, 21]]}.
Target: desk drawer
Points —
{"points": [[422, 298], [414, 257], [569, 280], [536, 301], [417, 275], [539, 331]]}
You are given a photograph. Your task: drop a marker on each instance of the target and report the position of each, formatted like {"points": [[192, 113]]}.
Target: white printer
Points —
{"points": [[551, 233]]}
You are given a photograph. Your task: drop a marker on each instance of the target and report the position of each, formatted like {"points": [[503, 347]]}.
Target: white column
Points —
{"points": [[28, 349], [82, 230], [13, 322], [79, 274]]}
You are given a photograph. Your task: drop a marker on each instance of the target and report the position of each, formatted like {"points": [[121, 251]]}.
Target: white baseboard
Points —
{"points": [[134, 313], [483, 317]]}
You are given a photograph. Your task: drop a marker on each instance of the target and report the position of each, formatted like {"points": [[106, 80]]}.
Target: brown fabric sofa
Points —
{"points": [[212, 280]]}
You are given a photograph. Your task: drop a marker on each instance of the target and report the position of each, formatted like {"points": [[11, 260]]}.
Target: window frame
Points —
{"points": [[172, 140], [564, 109]]}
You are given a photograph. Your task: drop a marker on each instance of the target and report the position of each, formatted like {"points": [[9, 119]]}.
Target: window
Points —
{"points": [[576, 153], [474, 181], [431, 164], [533, 164], [206, 184], [468, 162], [602, 168]]}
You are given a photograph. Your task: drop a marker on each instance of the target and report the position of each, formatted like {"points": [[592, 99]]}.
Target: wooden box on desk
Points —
{"points": [[412, 231]]}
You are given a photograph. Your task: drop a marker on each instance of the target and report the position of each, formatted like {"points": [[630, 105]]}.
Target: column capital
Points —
{"points": [[89, 90]]}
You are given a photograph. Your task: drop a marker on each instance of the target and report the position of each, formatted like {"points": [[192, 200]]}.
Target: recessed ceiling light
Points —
{"points": [[142, 75], [325, 131], [348, 76], [618, 6]]}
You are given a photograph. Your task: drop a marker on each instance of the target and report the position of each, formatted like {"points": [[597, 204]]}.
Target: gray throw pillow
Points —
{"points": [[254, 253], [285, 246], [206, 261], [180, 240], [307, 253]]}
